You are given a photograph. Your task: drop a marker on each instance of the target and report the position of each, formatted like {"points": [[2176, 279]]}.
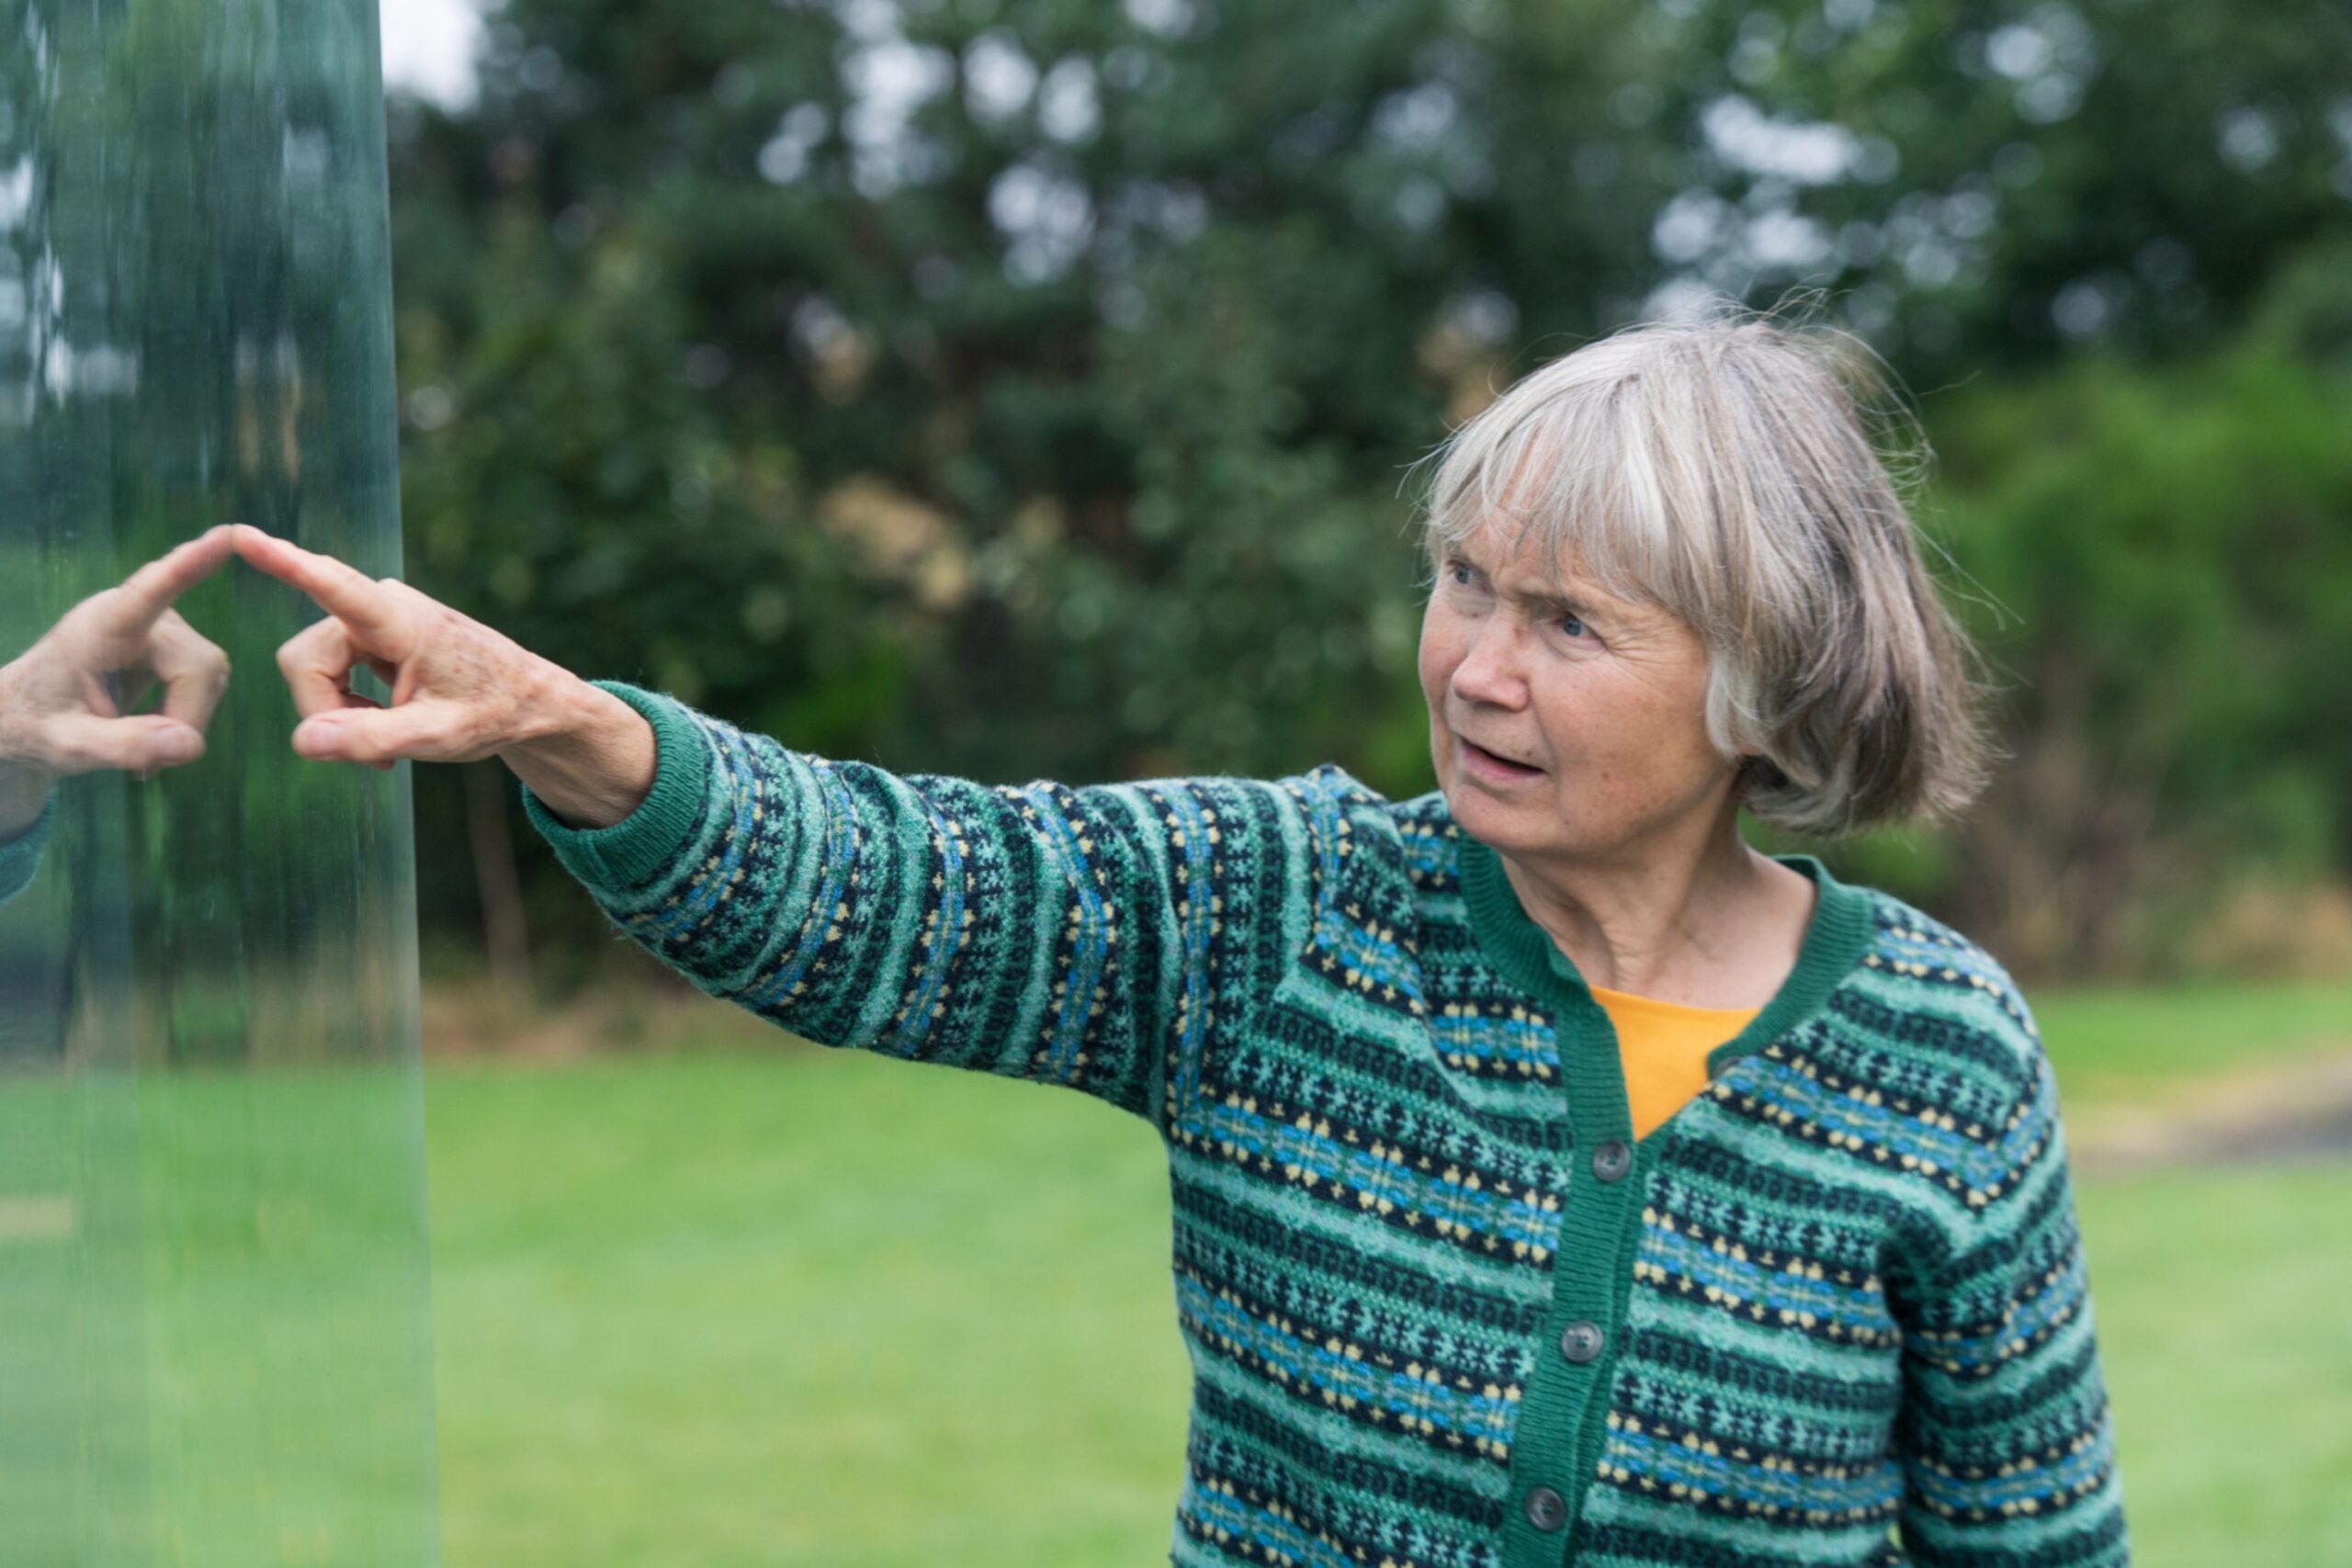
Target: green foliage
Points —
{"points": [[2176, 542], [2161, 560], [1050, 418], [2025, 178]]}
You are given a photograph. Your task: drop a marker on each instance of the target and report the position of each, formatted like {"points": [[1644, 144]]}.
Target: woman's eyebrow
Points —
{"points": [[1547, 599]]}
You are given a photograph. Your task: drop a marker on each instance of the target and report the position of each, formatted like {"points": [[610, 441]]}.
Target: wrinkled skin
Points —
{"points": [[461, 691]]}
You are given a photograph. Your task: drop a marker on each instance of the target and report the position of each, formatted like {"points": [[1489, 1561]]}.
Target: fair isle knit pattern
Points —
{"points": [[1442, 1312]]}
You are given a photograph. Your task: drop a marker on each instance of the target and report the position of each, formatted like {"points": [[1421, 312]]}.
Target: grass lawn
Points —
{"points": [[2151, 1046], [688, 1314], [2219, 1296]]}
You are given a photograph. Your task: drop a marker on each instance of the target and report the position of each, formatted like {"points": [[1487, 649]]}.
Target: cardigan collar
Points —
{"points": [[1834, 943]]}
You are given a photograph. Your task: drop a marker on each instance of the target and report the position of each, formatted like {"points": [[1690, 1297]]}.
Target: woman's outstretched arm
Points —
{"points": [[1095, 937], [1088, 937]]}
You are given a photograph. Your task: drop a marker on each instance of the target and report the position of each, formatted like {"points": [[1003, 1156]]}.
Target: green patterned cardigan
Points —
{"points": [[1442, 1310]]}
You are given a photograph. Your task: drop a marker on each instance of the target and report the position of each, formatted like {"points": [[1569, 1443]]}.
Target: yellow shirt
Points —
{"points": [[1664, 1046]]}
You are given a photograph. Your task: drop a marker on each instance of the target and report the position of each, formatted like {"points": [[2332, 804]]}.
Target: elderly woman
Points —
{"points": [[1555, 1178]]}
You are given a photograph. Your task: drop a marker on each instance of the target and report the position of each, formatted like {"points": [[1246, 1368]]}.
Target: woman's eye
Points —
{"points": [[1573, 627]]}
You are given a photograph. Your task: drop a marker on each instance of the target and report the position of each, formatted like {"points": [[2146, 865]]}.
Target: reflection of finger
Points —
{"points": [[194, 670], [149, 592], [373, 615], [82, 743], [97, 693]]}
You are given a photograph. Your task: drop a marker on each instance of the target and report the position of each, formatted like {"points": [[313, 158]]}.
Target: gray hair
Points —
{"points": [[1720, 469]]}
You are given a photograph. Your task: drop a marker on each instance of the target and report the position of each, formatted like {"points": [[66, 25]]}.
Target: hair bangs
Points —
{"points": [[1566, 476]]}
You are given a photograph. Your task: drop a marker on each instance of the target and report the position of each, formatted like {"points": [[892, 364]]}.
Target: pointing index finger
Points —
{"points": [[346, 593], [149, 592]]}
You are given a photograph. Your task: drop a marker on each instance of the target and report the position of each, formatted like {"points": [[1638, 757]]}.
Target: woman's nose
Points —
{"points": [[1490, 671]]}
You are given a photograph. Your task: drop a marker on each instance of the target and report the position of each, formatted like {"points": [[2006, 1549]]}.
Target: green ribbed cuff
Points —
{"points": [[20, 855], [639, 847]]}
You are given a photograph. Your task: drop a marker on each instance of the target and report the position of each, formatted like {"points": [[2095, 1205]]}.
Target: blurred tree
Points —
{"points": [[1012, 391], [1021, 388], [1070, 355], [2168, 554], [1998, 180]]}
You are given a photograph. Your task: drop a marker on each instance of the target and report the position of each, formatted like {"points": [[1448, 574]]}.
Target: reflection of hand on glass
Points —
{"points": [[62, 703], [461, 691]]}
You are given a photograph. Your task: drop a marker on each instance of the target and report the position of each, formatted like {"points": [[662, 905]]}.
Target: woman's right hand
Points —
{"points": [[461, 691]]}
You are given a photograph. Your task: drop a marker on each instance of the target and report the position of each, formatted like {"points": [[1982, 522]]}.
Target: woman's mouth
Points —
{"points": [[1484, 764]]}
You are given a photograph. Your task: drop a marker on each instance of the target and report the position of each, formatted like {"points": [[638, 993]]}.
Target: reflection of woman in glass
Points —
{"points": [[58, 717], [1555, 1177]]}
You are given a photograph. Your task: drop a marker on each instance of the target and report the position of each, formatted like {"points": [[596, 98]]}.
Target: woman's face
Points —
{"points": [[1600, 702]]}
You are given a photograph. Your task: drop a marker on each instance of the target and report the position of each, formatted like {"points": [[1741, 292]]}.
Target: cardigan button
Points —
{"points": [[1546, 1509], [1612, 1160], [1581, 1341]]}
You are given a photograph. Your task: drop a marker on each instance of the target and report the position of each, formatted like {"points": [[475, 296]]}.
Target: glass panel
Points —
{"points": [[213, 1330]]}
